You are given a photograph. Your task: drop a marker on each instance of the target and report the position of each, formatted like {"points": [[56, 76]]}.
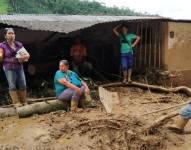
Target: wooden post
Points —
{"points": [[135, 54], [150, 49], [145, 53], [159, 45], [140, 54], [155, 44]]}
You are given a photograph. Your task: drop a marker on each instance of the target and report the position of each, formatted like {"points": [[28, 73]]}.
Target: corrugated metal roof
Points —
{"points": [[64, 23]]}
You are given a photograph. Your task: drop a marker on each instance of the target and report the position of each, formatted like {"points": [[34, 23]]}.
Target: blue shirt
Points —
{"points": [[70, 76]]}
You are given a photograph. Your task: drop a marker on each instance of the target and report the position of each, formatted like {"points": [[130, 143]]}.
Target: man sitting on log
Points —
{"points": [[68, 85], [185, 115]]}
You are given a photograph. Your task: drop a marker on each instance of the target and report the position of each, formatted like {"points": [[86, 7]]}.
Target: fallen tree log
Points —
{"points": [[150, 129], [36, 108], [181, 89], [7, 112], [41, 108], [40, 99], [7, 106]]}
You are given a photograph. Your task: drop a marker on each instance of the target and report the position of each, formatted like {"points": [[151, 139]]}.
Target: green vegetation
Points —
{"points": [[4, 6], [71, 7]]}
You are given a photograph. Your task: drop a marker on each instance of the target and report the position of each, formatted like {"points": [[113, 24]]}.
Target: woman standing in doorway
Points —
{"points": [[128, 42], [13, 67]]}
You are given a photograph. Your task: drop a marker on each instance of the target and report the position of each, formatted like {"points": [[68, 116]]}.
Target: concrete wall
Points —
{"points": [[178, 50], [178, 53]]}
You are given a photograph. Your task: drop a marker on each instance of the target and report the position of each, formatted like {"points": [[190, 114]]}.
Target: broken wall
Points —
{"points": [[178, 50]]}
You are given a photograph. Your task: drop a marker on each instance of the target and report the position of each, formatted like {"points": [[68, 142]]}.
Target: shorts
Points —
{"points": [[127, 60], [186, 112]]}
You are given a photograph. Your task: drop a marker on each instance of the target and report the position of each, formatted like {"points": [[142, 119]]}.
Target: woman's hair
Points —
{"points": [[65, 62], [6, 30]]}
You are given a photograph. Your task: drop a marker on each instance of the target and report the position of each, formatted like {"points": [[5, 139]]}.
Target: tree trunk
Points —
{"points": [[41, 108], [7, 112], [45, 99], [180, 89]]}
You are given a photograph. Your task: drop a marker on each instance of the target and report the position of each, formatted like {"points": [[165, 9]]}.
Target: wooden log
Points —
{"points": [[180, 89], [160, 122], [171, 107], [7, 112], [7, 106], [41, 108], [40, 99]]}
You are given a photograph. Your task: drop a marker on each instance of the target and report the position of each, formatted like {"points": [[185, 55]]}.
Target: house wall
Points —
{"points": [[178, 50]]}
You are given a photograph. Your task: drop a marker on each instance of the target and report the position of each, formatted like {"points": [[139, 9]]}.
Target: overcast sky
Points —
{"points": [[179, 9]]}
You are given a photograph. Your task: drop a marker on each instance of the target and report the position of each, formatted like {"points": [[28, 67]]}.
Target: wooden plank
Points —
{"points": [[155, 45], [150, 47], [145, 48], [140, 50], [159, 45], [108, 99]]}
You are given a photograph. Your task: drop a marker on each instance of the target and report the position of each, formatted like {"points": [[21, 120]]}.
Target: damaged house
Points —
{"points": [[165, 43]]}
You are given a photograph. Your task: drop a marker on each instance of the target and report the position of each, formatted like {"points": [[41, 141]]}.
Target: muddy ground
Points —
{"points": [[93, 129]]}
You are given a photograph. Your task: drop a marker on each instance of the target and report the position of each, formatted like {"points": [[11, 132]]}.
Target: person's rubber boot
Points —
{"points": [[124, 76], [22, 96], [179, 125], [87, 99], [89, 102], [15, 98], [74, 105]]}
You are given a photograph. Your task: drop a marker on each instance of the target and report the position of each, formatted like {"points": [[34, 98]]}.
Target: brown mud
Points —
{"points": [[93, 129]]}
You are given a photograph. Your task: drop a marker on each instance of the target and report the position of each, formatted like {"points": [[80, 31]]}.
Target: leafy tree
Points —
{"points": [[71, 7], [4, 6]]}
